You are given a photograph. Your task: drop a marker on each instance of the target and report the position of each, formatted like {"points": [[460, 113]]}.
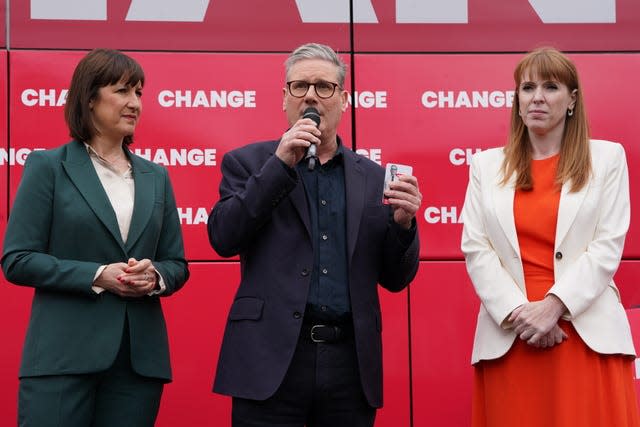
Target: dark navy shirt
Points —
{"points": [[325, 188]]}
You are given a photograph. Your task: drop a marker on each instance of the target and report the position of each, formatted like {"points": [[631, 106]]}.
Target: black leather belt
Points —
{"points": [[322, 332]]}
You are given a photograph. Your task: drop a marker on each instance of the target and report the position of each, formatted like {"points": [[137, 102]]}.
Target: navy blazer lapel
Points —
{"points": [[355, 181], [83, 175], [298, 197], [144, 198]]}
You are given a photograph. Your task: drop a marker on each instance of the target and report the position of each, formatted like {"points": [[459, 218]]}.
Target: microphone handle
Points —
{"points": [[311, 155]]}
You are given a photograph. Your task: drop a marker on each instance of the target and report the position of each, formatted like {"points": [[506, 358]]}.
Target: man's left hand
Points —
{"points": [[404, 197]]}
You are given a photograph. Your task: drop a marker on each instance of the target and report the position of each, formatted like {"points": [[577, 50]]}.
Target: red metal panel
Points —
{"points": [[380, 25], [444, 307], [395, 357], [3, 20], [431, 112], [4, 143], [225, 25], [15, 306], [196, 108], [634, 320], [627, 280], [196, 317], [14, 301], [500, 26]]}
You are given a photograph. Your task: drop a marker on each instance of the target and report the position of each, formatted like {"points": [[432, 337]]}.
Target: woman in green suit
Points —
{"points": [[95, 230]]}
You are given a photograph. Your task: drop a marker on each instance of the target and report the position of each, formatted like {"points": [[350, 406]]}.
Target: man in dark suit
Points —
{"points": [[303, 338]]}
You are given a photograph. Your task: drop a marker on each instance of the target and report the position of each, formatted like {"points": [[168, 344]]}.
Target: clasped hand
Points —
{"points": [[132, 279], [537, 322]]}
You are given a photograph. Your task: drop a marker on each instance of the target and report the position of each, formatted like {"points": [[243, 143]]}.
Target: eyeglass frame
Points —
{"points": [[309, 84]]}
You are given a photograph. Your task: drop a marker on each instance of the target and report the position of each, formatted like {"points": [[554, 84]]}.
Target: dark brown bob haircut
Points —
{"points": [[100, 68]]}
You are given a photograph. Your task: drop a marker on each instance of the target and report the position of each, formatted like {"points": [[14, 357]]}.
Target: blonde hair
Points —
{"points": [[575, 158]]}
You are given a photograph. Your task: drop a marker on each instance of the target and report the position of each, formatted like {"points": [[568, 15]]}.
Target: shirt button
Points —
{"points": [[325, 271], [558, 255], [323, 202], [304, 272], [296, 315], [325, 237]]}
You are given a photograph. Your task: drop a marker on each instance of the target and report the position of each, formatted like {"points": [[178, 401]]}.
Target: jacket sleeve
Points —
{"points": [[248, 195], [400, 260], [496, 288], [593, 269], [25, 260], [169, 258]]}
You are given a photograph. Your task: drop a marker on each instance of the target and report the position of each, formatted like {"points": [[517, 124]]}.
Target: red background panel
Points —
{"points": [[395, 358], [435, 140], [188, 129], [253, 25], [496, 26], [196, 317], [3, 19], [428, 330], [634, 319], [443, 315], [423, 137], [228, 25], [627, 280], [4, 144], [15, 306]]}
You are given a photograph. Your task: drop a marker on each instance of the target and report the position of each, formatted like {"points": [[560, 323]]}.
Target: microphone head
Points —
{"points": [[313, 114]]}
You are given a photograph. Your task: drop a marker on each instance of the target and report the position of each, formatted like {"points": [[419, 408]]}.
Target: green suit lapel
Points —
{"points": [[83, 175], [144, 198]]}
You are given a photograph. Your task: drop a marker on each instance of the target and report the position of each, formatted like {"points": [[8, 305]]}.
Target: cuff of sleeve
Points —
{"points": [[290, 171], [160, 285], [405, 236], [98, 289]]}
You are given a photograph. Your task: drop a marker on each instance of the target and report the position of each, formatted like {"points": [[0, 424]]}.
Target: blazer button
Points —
{"points": [[558, 255], [304, 272], [297, 315]]}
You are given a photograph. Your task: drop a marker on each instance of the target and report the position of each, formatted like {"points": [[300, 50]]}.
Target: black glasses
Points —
{"points": [[299, 88]]}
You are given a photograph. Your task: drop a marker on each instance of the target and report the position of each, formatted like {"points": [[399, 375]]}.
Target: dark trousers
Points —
{"points": [[321, 389], [117, 397]]}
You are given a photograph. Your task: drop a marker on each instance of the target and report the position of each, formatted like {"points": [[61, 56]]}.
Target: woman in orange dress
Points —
{"points": [[545, 220]]}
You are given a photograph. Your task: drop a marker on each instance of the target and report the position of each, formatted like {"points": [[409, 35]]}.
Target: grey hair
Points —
{"points": [[317, 51]]}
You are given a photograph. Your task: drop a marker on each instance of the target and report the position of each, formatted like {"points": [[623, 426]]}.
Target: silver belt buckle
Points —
{"points": [[313, 338]]}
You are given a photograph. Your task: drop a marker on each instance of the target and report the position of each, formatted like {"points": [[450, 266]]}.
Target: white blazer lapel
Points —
{"points": [[503, 196], [569, 206]]}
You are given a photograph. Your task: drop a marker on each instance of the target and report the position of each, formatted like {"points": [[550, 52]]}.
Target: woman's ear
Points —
{"points": [[574, 99]]}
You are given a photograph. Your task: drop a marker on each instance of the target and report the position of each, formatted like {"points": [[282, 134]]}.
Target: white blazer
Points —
{"points": [[590, 233]]}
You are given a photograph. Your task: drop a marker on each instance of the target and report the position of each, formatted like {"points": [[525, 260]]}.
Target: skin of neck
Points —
{"points": [[107, 148], [547, 145]]}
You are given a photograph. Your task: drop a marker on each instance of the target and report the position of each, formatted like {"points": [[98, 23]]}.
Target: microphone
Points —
{"points": [[313, 114]]}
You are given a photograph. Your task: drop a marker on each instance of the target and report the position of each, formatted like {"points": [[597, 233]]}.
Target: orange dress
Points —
{"points": [[565, 385]]}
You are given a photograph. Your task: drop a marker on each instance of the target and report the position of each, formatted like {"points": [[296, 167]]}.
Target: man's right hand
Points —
{"points": [[295, 141]]}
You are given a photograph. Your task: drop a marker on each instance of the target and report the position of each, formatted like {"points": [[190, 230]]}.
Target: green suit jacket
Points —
{"points": [[61, 229]]}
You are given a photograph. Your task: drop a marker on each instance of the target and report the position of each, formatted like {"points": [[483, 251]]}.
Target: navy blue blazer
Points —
{"points": [[263, 216], [61, 229]]}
